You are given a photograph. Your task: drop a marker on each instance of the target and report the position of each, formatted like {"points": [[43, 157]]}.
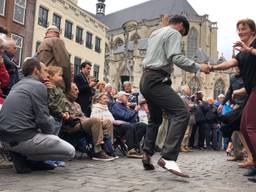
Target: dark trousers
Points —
{"points": [[248, 123], [201, 133], [133, 133], [192, 141], [161, 97], [211, 135]]}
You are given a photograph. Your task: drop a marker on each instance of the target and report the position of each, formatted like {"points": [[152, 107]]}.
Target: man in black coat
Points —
{"points": [[85, 86]]}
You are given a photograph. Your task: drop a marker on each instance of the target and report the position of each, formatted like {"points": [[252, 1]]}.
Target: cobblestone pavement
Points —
{"points": [[209, 171]]}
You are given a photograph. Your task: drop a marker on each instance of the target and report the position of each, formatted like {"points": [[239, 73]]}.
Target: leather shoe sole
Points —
{"points": [[161, 163]]}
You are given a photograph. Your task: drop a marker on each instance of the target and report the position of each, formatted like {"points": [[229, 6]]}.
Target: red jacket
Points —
{"points": [[4, 80]]}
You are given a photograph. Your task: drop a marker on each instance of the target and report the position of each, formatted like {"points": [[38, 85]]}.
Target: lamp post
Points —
{"points": [[128, 27]]}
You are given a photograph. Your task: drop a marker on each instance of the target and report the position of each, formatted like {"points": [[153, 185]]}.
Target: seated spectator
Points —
{"points": [[4, 80], [57, 101], [132, 97], [11, 64], [4, 76], [100, 87], [108, 91], [26, 126], [114, 92], [121, 111], [93, 126]]}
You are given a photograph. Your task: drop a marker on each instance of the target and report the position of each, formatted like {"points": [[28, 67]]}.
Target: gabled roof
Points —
{"points": [[149, 10]]}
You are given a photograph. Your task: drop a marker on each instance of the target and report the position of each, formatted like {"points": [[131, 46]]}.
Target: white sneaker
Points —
{"points": [[171, 166]]}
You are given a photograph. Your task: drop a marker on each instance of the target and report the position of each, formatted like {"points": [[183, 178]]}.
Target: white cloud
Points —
{"points": [[225, 12]]}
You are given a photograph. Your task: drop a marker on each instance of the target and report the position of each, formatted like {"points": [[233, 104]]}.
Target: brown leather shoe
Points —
{"points": [[146, 161], [183, 149], [188, 149], [172, 167]]}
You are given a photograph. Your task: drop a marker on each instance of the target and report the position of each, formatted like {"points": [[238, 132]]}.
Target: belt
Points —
{"points": [[166, 76], [13, 143], [162, 72]]}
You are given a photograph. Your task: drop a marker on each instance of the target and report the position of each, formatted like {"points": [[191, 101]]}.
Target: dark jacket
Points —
{"points": [[85, 94], [211, 114], [236, 82], [122, 112], [25, 112], [12, 69], [201, 109]]}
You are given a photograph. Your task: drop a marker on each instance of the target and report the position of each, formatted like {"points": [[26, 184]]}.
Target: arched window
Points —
{"points": [[118, 42], [194, 85], [219, 88], [192, 42]]}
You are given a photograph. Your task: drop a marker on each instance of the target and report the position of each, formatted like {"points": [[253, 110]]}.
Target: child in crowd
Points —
{"points": [[57, 102]]}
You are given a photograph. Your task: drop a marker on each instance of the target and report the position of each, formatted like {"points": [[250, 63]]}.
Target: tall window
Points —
{"points": [[19, 11], [97, 44], [194, 85], [56, 20], [19, 47], [79, 35], [192, 42], [219, 88], [96, 71], [68, 30], [89, 40], [43, 17], [77, 63], [2, 7]]}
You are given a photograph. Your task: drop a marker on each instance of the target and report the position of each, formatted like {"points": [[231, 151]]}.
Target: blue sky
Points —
{"points": [[225, 12]]}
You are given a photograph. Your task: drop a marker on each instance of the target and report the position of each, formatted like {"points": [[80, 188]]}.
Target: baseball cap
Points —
{"points": [[53, 28], [122, 93]]}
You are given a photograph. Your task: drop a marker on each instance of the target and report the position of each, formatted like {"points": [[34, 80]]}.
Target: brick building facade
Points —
{"points": [[17, 16]]}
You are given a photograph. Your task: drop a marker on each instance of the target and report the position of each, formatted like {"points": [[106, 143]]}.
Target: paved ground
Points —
{"points": [[209, 172]]}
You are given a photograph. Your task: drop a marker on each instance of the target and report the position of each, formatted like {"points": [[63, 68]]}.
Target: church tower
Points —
{"points": [[100, 8]]}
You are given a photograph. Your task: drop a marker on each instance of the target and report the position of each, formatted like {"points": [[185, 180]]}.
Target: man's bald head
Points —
{"points": [[11, 47]]}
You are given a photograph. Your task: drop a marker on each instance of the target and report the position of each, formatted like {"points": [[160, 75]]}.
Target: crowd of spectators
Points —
{"points": [[48, 115]]}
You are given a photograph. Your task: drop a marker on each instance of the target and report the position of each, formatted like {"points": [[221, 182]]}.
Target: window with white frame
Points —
{"points": [[19, 47], [2, 7], [19, 11]]}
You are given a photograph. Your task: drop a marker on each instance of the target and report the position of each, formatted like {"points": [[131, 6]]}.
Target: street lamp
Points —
{"points": [[128, 27]]}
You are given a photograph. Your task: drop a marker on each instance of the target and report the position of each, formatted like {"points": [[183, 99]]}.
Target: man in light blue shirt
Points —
{"points": [[164, 50]]}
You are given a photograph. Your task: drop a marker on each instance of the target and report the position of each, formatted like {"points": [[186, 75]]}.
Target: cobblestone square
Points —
{"points": [[209, 172]]}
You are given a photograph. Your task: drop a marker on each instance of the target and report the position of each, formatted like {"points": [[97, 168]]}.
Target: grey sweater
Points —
{"points": [[164, 50], [25, 112]]}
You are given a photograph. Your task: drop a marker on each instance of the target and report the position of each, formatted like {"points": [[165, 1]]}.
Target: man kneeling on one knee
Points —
{"points": [[26, 127]]}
